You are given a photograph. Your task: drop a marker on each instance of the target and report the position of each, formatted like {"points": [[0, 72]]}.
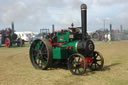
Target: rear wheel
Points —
{"points": [[97, 61], [96, 36], [41, 54], [7, 42], [77, 64]]}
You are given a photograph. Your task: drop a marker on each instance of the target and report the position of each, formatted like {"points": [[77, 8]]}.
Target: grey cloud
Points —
{"points": [[111, 2], [35, 14]]}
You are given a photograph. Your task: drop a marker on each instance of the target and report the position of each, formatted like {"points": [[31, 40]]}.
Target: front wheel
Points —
{"points": [[77, 64], [97, 61]]}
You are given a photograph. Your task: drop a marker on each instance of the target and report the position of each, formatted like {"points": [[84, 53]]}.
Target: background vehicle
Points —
{"points": [[26, 36], [9, 38]]}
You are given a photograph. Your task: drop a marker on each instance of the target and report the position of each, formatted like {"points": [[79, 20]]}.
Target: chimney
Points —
{"points": [[53, 28], [12, 27], [84, 20]]}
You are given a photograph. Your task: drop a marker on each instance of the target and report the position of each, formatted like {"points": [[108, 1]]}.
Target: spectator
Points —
{"points": [[102, 36], [29, 38], [106, 37], [109, 37]]}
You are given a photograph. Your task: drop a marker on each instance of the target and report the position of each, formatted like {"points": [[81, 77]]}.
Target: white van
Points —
{"points": [[26, 36]]}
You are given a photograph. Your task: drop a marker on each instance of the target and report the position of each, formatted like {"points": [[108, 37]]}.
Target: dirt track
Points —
{"points": [[16, 69]]}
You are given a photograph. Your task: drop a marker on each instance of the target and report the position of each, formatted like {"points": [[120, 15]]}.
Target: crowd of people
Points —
{"points": [[106, 37]]}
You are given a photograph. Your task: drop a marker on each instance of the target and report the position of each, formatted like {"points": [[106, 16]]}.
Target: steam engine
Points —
{"points": [[72, 46], [8, 37]]}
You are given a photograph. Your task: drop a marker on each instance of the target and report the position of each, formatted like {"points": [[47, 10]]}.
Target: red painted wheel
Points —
{"points": [[7, 42]]}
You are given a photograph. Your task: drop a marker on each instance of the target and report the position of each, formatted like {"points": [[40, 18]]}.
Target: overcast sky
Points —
{"points": [[32, 15]]}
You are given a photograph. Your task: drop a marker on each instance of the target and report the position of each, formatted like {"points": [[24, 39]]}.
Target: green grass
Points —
{"points": [[16, 68]]}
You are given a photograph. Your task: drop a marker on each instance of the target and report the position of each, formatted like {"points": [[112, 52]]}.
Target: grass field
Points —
{"points": [[16, 68]]}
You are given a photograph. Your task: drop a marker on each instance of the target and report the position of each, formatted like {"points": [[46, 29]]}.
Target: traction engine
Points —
{"points": [[68, 46], [9, 38]]}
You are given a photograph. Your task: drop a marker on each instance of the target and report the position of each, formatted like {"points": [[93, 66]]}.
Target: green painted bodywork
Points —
{"points": [[61, 52], [73, 44]]}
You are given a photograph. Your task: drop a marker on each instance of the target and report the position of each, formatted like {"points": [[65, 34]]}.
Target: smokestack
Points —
{"points": [[53, 28], [12, 27], [84, 20]]}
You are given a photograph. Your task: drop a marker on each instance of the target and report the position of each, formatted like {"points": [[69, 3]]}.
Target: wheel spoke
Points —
{"points": [[78, 70], [37, 46], [40, 43], [95, 55], [98, 64], [79, 59], [43, 47], [75, 61], [75, 70], [98, 60]]}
